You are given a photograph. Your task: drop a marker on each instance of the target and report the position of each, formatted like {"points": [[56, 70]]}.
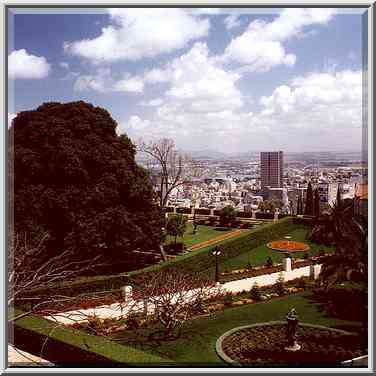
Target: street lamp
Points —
{"points": [[216, 253], [288, 237]]}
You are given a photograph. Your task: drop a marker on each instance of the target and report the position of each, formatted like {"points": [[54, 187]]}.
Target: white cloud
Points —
{"points": [[335, 97], [319, 111], [261, 47], [200, 84], [208, 11], [135, 33], [21, 64], [153, 102], [64, 65], [157, 75], [101, 81], [10, 118], [232, 21], [131, 84]]}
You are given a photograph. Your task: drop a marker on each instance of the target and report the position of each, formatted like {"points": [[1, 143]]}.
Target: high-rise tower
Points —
{"points": [[271, 169]]}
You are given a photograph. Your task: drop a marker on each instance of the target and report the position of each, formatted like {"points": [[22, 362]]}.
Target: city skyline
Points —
{"points": [[230, 80]]}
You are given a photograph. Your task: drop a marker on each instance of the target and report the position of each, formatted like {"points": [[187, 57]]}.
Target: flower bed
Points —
{"points": [[288, 246], [264, 344]]}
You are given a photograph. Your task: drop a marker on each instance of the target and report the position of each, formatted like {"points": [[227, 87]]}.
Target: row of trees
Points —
{"points": [[311, 206]]}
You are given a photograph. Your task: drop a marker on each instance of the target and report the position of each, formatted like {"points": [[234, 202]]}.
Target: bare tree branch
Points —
{"points": [[171, 167]]}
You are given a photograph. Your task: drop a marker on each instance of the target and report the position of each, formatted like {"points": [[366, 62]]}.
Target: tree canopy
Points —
{"points": [[176, 225], [73, 177], [227, 215]]}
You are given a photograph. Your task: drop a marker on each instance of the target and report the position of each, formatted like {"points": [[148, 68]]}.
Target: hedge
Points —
{"points": [[244, 214], [66, 346], [184, 210], [260, 215], [202, 211]]}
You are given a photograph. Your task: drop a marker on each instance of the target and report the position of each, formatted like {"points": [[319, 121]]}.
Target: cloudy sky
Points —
{"points": [[231, 80]]}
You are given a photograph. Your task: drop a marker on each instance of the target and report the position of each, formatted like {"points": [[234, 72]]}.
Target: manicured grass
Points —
{"points": [[203, 234], [258, 256], [196, 345]]}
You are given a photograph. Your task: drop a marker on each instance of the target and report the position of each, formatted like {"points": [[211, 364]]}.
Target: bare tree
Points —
{"points": [[173, 297], [26, 271], [170, 166]]}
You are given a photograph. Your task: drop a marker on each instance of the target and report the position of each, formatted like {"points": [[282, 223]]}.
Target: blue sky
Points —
{"points": [[228, 80]]}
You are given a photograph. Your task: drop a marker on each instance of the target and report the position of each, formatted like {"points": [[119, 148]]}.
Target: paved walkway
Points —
{"points": [[121, 309], [17, 357]]}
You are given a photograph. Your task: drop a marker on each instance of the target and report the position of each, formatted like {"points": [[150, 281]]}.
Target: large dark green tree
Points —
{"points": [[75, 179]]}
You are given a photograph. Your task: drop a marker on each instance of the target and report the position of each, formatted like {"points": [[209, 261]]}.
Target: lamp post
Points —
{"points": [[216, 253], [288, 237]]}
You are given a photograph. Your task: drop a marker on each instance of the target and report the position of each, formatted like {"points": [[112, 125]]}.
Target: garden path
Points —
{"points": [[121, 309]]}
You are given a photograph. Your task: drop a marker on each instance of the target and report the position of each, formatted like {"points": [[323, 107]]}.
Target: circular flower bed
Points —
{"points": [[264, 344], [288, 246]]}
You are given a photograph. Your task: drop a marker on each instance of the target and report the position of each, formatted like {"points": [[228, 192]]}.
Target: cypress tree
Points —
{"points": [[316, 206], [339, 198], [299, 206], [309, 201]]}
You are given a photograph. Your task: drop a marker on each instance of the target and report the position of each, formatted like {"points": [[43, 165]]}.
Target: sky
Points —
{"points": [[228, 80]]}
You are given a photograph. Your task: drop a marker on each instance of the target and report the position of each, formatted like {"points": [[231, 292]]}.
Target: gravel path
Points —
{"points": [[215, 240]]}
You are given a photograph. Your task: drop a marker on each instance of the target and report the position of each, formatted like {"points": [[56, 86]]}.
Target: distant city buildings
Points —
{"points": [[246, 182]]}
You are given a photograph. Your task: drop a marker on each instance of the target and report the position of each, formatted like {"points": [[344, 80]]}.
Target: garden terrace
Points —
{"points": [[199, 261]]}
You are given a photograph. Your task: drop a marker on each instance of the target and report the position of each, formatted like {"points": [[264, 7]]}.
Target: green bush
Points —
{"points": [[301, 283], [133, 321], [228, 299], [279, 286], [269, 262], [255, 293]]}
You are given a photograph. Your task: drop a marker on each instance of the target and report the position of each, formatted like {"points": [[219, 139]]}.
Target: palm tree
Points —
{"points": [[349, 233]]}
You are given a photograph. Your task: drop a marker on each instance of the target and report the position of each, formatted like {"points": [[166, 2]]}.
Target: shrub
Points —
{"points": [[321, 253], [212, 221], [269, 262], [301, 283], [133, 321], [255, 293], [228, 299], [279, 286]]}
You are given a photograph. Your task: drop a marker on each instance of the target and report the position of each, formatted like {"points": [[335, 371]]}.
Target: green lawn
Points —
{"points": [[196, 344], [258, 256], [203, 234]]}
